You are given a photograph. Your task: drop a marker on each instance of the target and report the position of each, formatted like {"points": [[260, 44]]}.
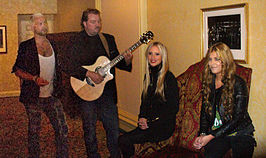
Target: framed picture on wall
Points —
{"points": [[3, 41], [227, 24]]}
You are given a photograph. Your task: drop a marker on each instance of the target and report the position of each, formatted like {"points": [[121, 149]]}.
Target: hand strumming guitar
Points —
{"points": [[95, 77]]}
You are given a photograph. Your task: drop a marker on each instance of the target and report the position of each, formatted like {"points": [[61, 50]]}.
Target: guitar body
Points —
{"points": [[86, 91]]}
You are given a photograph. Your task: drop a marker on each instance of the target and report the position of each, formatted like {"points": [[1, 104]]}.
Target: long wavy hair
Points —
{"points": [[228, 72], [161, 76]]}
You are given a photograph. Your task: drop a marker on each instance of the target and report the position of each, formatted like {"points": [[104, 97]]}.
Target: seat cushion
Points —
{"points": [[148, 148]]}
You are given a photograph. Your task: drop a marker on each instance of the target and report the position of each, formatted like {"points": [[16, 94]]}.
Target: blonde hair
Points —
{"points": [[34, 16], [161, 76], [228, 72]]}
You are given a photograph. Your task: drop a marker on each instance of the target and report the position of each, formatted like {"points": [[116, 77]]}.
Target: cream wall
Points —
{"points": [[9, 10], [69, 14], [121, 18], [178, 25]]}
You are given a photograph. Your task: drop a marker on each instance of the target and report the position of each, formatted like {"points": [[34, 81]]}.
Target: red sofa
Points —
{"points": [[187, 119]]}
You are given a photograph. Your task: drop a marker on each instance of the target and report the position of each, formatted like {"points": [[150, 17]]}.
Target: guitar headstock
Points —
{"points": [[146, 37]]}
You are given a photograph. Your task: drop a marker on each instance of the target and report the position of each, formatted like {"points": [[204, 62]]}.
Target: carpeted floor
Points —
{"points": [[13, 133]]}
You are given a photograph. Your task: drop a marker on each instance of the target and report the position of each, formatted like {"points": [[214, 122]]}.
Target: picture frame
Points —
{"points": [[3, 39], [227, 24]]}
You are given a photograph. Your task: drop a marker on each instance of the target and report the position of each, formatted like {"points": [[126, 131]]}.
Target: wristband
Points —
{"points": [[203, 134]]}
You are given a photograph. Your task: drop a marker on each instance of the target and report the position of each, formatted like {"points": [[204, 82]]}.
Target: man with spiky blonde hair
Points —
{"points": [[36, 66]]}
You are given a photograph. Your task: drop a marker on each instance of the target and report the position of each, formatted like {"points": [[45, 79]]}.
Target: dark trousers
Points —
{"points": [[137, 136], [107, 111], [53, 109], [242, 146]]}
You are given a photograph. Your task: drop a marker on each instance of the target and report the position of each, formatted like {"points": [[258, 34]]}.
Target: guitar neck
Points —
{"points": [[121, 57]]}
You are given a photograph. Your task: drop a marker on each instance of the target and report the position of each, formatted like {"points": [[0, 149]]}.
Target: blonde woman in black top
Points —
{"points": [[159, 103]]}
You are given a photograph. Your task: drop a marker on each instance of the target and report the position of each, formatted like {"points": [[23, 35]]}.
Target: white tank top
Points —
{"points": [[47, 71]]}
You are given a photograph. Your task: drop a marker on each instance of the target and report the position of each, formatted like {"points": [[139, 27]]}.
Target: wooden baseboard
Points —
{"points": [[127, 121], [125, 126], [9, 94]]}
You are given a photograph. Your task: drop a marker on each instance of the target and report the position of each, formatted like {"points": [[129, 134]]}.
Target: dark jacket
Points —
{"points": [[161, 114], [240, 122], [85, 51], [28, 61]]}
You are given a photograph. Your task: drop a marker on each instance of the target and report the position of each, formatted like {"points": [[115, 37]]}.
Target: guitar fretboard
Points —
{"points": [[121, 57]]}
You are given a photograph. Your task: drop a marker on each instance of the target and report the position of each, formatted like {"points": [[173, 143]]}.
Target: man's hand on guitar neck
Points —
{"points": [[95, 77], [128, 57]]}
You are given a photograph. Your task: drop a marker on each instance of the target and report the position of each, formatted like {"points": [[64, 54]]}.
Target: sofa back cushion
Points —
{"points": [[190, 101], [63, 43], [187, 120], [63, 40]]}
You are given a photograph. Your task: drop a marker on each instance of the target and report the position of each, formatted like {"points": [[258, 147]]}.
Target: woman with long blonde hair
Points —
{"points": [[224, 122], [159, 102]]}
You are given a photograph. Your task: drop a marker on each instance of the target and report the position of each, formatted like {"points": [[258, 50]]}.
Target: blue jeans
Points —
{"points": [[105, 109]]}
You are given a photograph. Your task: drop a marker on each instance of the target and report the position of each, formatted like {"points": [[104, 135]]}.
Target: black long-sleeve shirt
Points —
{"points": [[161, 114]]}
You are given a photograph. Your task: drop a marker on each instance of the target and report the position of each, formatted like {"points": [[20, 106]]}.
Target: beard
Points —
{"points": [[43, 32], [96, 31]]}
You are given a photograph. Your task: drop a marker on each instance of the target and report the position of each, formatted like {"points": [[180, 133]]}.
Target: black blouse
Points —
{"points": [[161, 114]]}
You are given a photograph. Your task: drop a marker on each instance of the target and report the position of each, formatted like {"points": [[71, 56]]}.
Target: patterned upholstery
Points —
{"points": [[64, 41], [187, 119]]}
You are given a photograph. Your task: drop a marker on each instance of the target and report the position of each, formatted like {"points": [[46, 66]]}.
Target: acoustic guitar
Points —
{"points": [[87, 89]]}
